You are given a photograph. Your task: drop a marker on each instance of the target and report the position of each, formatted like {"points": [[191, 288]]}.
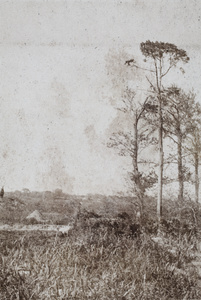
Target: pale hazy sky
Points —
{"points": [[54, 88]]}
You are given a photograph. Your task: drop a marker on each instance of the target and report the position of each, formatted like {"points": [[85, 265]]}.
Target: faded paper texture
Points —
{"points": [[55, 91], [74, 82]]}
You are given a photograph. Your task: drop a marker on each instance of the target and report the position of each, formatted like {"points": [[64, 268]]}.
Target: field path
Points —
{"points": [[38, 227]]}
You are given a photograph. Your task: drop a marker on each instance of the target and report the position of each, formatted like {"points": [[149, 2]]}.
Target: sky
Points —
{"points": [[56, 112]]}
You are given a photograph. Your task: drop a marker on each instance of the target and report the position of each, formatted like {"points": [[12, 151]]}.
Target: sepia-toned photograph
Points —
{"points": [[100, 152]]}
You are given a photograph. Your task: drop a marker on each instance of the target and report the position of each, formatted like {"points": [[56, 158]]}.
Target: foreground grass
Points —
{"points": [[94, 265]]}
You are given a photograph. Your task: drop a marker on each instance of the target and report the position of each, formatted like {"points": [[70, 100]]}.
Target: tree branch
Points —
{"points": [[171, 65]]}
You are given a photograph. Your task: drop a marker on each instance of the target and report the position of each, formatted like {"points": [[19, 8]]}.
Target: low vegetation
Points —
{"points": [[111, 256]]}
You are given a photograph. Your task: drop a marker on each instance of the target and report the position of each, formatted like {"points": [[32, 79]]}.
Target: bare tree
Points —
{"points": [[196, 154], [130, 101], [193, 146], [128, 143], [178, 124]]}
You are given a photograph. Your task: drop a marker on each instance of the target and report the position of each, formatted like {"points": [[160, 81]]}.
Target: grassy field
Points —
{"points": [[104, 257]]}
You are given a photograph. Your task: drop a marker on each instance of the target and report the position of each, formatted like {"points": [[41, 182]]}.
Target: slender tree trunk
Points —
{"points": [[160, 174], [180, 168], [160, 139], [196, 178], [135, 156], [135, 146], [137, 184]]}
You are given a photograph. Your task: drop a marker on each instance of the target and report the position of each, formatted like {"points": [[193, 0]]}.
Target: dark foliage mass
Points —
{"points": [[159, 49]]}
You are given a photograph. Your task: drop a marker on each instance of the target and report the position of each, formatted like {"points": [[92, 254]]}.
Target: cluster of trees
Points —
{"points": [[56, 194], [166, 113]]}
